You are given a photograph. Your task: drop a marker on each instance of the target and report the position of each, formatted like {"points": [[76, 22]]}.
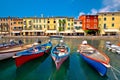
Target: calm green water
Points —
{"points": [[74, 68]]}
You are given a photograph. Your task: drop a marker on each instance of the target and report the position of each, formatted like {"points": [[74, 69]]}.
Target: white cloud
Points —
{"points": [[107, 6], [81, 13], [110, 5], [93, 11]]}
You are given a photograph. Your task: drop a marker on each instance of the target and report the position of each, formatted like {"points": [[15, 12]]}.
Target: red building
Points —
{"points": [[89, 22]]}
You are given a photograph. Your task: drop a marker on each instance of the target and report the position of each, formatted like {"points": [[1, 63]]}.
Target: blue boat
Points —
{"points": [[98, 60], [60, 53]]}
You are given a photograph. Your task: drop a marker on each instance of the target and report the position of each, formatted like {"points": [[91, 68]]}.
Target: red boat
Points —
{"points": [[32, 53]]}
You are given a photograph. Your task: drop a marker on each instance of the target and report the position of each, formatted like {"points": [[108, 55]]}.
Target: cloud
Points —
{"points": [[110, 5], [93, 11], [107, 6], [81, 13]]}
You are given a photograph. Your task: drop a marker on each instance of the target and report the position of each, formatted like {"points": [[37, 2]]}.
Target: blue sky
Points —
{"points": [[73, 8]]}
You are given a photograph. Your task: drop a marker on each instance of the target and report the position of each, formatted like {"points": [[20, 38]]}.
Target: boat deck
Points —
{"points": [[91, 52], [18, 48]]}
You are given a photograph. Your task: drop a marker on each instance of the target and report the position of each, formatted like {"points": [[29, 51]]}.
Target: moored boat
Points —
{"points": [[56, 36], [113, 47], [11, 44], [32, 53], [60, 53], [98, 60]]}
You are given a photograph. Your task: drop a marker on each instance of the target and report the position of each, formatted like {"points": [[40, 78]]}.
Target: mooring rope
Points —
{"points": [[112, 68], [116, 69], [114, 74]]}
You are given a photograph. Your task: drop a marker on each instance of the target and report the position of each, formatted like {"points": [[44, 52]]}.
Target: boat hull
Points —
{"points": [[59, 62], [25, 58], [96, 65]]}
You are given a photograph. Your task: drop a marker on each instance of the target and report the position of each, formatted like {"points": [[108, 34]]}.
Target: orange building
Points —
{"points": [[17, 27], [89, 22]]}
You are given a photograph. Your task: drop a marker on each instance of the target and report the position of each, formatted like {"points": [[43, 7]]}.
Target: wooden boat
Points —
{"points": [[113, 47], [29, 54], [56, 36], [10, 45], [15, 49], [98, 60], [59, 54]]}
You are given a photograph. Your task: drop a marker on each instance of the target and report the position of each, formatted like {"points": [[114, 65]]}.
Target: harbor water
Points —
{"points": [[74, 68]]}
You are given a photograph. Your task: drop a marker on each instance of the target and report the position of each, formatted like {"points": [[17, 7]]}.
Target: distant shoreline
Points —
{"points": [[85, 37]]}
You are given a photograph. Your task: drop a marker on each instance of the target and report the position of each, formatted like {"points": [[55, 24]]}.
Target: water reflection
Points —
{"points": [[26, 69], [43, 68]]}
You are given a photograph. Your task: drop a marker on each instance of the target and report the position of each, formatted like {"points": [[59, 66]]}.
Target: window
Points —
{"points": [[77, 27], [11, 23], [18, 22], [68, 28], [48, 27], [105, 14], [40, 26], [40, 20], [44, 20], [104, 26], [113, 18], [54, 21], [14, 22], [68, 24], [33, 26], [48, 21], [88, 20], [88, 26], [71, 24], [80, 22], [95, 20], [44, 26], [99, 19], [68, 19], [113, 14], [105, 19], [36, 20], [95, 25], [75, 22], [112, 24]]}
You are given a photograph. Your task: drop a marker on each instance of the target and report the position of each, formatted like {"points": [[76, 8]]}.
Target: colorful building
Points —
{"points": [[89, 23], [39, 26], [109, 23], [5, 23], [78, 27], [16, 27]]}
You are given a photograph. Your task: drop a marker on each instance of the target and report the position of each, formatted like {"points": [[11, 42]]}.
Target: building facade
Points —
{"points": [[109, 23], [16, 27], [90, 23], [78, 27], [5, 23]]}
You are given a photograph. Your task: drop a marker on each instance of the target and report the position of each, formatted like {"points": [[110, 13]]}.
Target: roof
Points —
{"points": [[108, 12]]}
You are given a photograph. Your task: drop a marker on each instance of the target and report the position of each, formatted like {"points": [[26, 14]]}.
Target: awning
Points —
{"points": [[51, 31], [79, 31], [15, 31], [32, 30], [111, 30], [68, 31]]}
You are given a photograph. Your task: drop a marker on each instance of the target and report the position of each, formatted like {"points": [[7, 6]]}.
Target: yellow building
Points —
{"points": [[109, 23], [39, 26]]}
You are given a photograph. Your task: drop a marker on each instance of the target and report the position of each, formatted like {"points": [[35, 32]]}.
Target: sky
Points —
{"points": [[71, 8]]}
